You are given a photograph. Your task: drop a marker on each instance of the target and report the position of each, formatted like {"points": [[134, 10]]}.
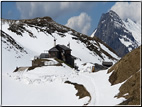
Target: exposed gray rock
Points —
{"points": [[111, 29]]}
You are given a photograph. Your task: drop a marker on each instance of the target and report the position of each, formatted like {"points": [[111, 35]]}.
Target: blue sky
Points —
{"points": [[81, 16]]}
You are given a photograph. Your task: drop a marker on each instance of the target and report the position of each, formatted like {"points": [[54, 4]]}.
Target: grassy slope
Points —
{"points": [[128, 68]]}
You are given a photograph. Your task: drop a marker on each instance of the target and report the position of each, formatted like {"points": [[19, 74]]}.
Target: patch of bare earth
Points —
{"points": [[128, 69], [82, 92]]}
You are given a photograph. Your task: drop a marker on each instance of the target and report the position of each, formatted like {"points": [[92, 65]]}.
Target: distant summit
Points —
{"points": [[113, 31]]}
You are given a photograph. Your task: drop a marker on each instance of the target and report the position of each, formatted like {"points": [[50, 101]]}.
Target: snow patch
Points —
{"points": [[126, 43], [126, 94], [92, 35]]}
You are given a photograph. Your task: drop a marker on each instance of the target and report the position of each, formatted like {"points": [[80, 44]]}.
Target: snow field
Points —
{"points": [[47, 82], [45, 85]]}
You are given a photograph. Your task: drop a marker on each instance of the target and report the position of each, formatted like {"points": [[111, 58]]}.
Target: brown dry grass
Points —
{"points": [[132, 87], [128, 68], [82, 92], [125, 67]]}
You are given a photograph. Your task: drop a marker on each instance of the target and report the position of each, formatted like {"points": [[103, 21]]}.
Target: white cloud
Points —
{"points": [[81, 23], [130, 10], [37, 9], [52, 9]]}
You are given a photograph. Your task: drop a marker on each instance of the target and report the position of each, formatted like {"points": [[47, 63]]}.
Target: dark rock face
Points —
{"points": [[111, 29], [7, 39]]}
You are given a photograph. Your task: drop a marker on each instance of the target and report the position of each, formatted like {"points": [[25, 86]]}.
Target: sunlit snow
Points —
{"points": [[45, 85]]}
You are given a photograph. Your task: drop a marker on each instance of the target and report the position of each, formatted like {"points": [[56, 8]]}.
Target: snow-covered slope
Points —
{"points": [[135, 28], [23, 39], [46, 86], [34, 36], [92, 35]]}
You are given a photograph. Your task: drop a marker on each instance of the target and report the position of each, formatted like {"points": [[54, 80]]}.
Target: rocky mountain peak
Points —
{"points": [[113, 32], [111, 17]]}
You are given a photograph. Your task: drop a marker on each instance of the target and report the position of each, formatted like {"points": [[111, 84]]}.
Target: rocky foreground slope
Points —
{"points": [[128, 70]]}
